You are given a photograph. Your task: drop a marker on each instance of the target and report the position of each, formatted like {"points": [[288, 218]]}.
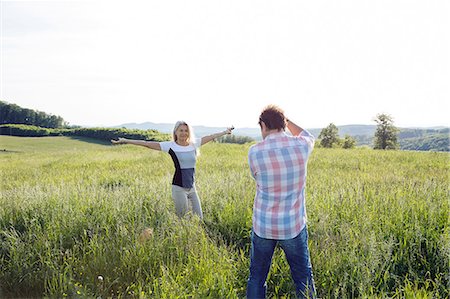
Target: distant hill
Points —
{"points": [[420, 139], [423, 139], [362, 132], [352, 130]]}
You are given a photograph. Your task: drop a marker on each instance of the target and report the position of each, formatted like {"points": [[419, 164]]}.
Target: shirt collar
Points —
{"points": [[275, 135]]}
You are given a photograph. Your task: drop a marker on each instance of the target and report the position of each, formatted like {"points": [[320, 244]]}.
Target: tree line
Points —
{"points": [[98, 133], [14, 114], [235, 139], [385, 135]]}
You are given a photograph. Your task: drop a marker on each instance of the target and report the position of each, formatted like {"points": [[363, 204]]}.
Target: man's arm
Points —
{"points": [[297, 131], [293, 128]]}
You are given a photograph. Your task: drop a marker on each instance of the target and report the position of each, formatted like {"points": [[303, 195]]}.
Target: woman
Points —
{"points": [[183, 150]]}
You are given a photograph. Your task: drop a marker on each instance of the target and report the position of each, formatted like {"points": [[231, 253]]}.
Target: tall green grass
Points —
{"points": [[71, 213]]}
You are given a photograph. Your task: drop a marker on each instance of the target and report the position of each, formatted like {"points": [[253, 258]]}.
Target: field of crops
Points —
{"points": [[72, 211]]}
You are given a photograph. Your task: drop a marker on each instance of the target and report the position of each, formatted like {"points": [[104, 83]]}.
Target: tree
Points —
{"points": [[386, 132], [349, 142], [329, 136], [14, 114], [235, 139]]}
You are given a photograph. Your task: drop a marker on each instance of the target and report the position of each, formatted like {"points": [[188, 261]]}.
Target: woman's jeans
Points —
{"points": [[297, 255], [182, 196]]}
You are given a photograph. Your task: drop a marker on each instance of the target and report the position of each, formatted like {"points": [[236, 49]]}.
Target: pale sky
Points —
{"points": [[218, 63]]}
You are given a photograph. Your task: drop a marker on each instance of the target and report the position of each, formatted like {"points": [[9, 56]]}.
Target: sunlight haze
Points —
{"points": [[217, 63]]}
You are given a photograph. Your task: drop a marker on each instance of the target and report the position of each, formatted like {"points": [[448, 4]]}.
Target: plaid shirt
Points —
{"points": [[278, 164]]}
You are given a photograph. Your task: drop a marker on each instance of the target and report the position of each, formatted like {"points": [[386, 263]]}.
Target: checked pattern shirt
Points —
{"points": [[278, 165]]}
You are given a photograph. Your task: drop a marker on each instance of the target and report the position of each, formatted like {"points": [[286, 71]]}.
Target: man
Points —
{"points": [[278, 165]]}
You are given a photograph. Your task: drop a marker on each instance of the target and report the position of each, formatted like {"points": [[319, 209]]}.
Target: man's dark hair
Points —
{"points": [[273, 118]]}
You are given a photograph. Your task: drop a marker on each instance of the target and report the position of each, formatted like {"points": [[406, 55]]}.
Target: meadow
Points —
{"points": [[72, 211]]}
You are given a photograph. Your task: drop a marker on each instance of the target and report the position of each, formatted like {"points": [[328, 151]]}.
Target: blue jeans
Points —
{"points": [[297, 255]]}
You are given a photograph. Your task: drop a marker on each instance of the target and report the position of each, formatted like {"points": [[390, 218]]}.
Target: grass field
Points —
{"points": [[72, 210]]}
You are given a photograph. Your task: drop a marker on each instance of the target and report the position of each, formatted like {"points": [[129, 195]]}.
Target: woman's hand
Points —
{"points": [[209, 138], [118, 141], [229, 130]]}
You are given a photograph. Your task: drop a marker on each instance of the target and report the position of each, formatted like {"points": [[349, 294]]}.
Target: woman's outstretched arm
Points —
{"points": [[211, 137], [150, 144]]}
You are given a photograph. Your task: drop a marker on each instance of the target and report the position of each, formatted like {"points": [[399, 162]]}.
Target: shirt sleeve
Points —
{"points": [[165, 146], [251, 163], [308, 138], [197, 143]]}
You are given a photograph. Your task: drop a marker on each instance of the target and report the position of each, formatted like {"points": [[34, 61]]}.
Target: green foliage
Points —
{"points": [[363, 140], [24, 130], [235, 139], [386, 133], [105, 134], [349, 142], [14, 114], [434, 142], [108, 134], [408, 139], [418, 133], [71, 211], [329, 136]]}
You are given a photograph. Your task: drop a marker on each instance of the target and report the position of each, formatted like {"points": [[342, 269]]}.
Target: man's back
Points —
{"points": [[278, 165]]}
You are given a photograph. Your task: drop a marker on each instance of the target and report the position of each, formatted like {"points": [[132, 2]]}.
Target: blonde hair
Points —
{"points": [[191, 137]]}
